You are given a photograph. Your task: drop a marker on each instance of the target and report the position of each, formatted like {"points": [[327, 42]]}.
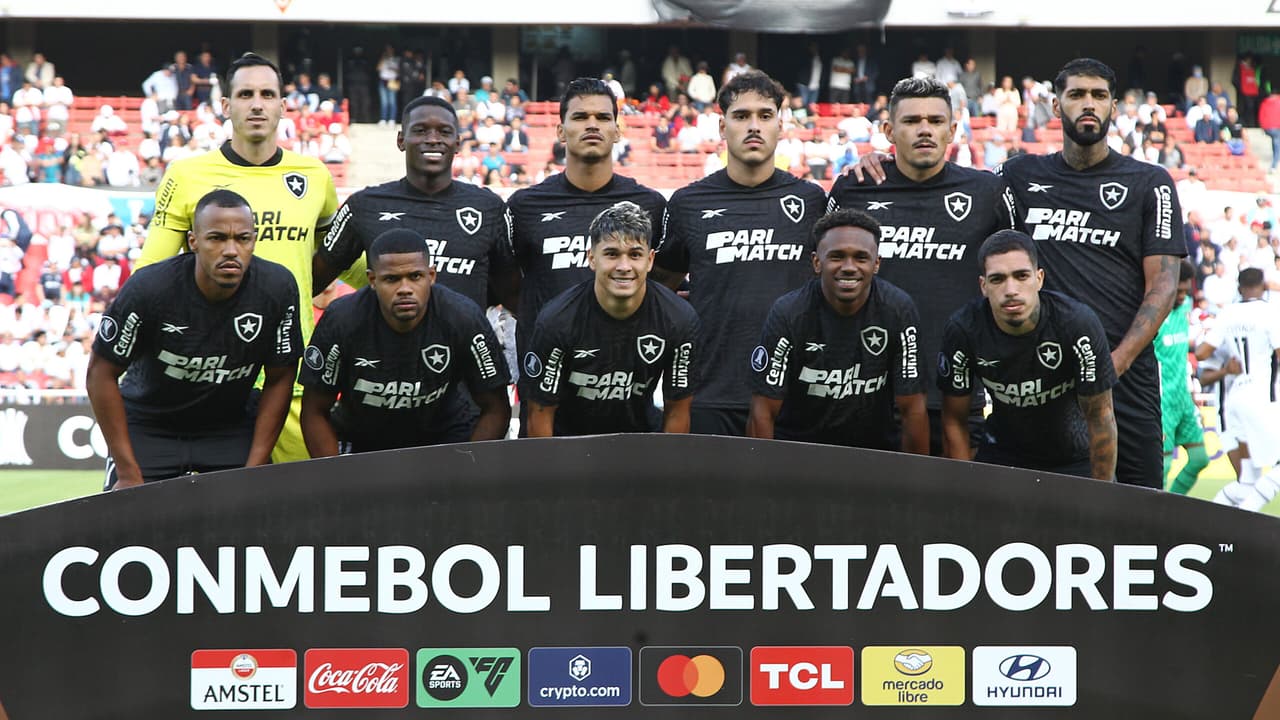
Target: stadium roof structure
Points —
{"points": [[815, 16]]}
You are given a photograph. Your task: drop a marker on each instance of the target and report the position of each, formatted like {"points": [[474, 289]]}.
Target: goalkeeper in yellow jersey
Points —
{"points": [[292, 196]]}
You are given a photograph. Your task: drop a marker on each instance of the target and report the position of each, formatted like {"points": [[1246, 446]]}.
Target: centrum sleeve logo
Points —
{"points": [[580, 677]]}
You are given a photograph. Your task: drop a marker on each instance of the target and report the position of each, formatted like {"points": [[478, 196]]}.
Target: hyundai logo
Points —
{"points": [[1024, 668]]}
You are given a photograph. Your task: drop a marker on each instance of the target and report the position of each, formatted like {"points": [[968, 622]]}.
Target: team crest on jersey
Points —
{"points": [[1050, 354], [793, 207], [436, 357], [1112, 194], [650, 348], [296, 182], [469, 219], [875, 339], [958, 205], [248, 325]]}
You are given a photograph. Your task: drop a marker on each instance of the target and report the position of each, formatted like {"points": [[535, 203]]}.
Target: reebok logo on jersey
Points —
{"points": [[171, 328], [580, 354], [1050, 354], [296, 183], [1038, 188], [983, 362], [388, 216], [814, 347], [469, 219], [958, 205], [366, 362], [548, 217], [878, 205], [708, 214], [567, 251], [1068, 226], [1112, 194], [753, 245], [247, 326], [792, 207]]}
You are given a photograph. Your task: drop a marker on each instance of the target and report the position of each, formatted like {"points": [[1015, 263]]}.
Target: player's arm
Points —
{"points": [[273, 406], [764, 413], [955, 427], [675, 415], [1210, 375], [504, 269], [317, 431], [915, 424], [1161, 273], [671, 262], [102, 381], [871, 166], [495, 415], [340, 247], [167, 233], [1100, 419], [542, 419]]}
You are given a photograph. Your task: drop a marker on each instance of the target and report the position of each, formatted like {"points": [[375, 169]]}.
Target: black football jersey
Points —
{"points": [[393, 386], [838, 376], [743, 248], [191, 362], [1033, 379], [549, 224], [465, 228], [930, 233], [601, 372]]}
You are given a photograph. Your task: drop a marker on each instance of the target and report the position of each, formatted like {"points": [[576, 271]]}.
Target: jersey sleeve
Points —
{"points": [[1162, 218], [673, 247], [342, 244], [1095, 372], [771, 359], [514, 212], [682, 373], [502, 257], [288, 345], [486, 367], [124, 322], [171, 221], [906, 370], [656, 206], [1005, 207], [955, 359], [322, 366], [330, 207], [544, 365]]}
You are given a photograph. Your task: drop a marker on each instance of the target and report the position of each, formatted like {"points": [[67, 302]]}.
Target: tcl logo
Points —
{"points": [[802, 676], [357, 678]]}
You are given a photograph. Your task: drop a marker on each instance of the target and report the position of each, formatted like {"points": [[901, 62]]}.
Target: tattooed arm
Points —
{"points": [[1161, 272], [1099, 417]]}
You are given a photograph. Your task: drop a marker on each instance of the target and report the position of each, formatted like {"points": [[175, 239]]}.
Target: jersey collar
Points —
{"points": [[234, 158]]}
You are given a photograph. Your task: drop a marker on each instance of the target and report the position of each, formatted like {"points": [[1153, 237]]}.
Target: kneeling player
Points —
{"points": [[388, 354], [839, 352], [1044, 360], [193, 332], [598, 349]]}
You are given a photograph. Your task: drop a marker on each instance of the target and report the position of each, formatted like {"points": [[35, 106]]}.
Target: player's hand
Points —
{"points": [[1121, 366], [1234, 367], [127, 479], [871, 166]]}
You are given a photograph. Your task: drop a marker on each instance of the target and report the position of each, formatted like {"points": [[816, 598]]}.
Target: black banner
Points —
{"points": [[50, 437], [639, 576]]}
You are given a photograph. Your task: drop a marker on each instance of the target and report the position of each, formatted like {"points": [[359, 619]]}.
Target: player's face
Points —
{"points": [[750, 128], [1085, 106], [846, 261], [429, 140], [222, 240], [621, 266], [921, 130], [590, 127], [1012, 286], [254, 103], [1184, 289], [402, 282]]}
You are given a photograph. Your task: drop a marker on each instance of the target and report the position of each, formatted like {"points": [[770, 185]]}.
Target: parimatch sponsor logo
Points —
{"points": [[1024, 676], [468, 677], [244, 679], [752, 245], [913, 675], [567, 251]]}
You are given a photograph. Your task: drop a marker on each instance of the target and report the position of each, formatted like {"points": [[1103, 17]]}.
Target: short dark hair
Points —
{"points": [[251, 59], [1186, 271], [432, 100], [1007, 241], [846, 218], [751, 81], [1251, 277], [222, 198], [913, 87], [400, 241], [584, 87], [622, 219], [1087, 67]]}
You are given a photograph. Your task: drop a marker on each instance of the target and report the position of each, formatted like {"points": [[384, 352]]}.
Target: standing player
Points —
{"points": [[293, 197], [598, 349], [388, 354], [744, 236], [193, 332], [838, 353], [1178, 412], [933, 216], [1045, 361], [1242, 350]]}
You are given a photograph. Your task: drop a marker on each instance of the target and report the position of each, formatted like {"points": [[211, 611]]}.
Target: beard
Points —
{"points": [[1090, 137]]}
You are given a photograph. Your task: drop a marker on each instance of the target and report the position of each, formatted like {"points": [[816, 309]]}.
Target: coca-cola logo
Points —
{"points": [[357, 678]]}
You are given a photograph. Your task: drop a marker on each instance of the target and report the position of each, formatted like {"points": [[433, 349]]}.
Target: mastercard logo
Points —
{"points": [[701, 676]]}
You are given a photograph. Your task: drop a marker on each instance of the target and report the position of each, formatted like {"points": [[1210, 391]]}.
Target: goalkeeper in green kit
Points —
{"points": [[1179, 414]]}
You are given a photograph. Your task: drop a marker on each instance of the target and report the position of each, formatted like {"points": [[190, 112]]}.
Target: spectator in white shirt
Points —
{"points": [[163, 86], [108, 122], [948, 68], [57, 101], [27, 102]]}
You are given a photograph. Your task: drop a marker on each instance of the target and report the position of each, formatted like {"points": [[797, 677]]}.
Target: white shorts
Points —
{"points": [[1253, 419]]}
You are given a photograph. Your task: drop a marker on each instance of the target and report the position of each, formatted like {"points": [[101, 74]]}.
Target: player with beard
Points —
{"points": [[1178, 412], [744, 236], [1044, 360], [464, 227], [193, 332], [934, 215], [838, 353], [599, 349], [381, 362]]}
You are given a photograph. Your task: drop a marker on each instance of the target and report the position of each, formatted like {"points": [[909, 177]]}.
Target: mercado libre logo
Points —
{"points": [[691, 676]]}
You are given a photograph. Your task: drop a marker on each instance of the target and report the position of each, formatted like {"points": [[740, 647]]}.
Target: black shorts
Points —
{"points": [[1140, 434], [163, 454], [994, 455], [718, 421]]}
